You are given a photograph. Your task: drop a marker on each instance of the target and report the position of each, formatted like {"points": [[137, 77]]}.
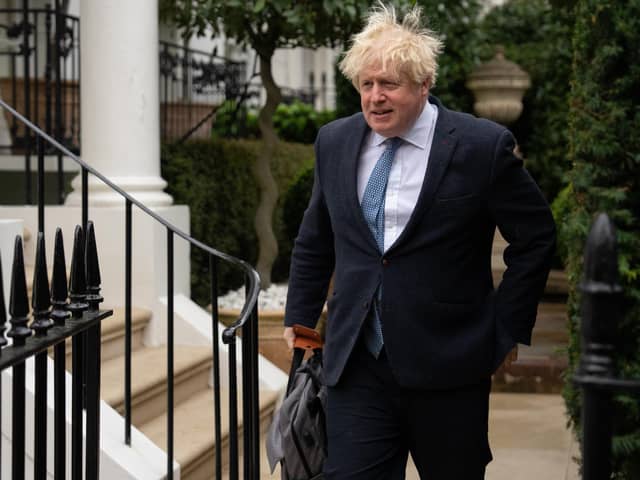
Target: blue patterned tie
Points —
{"points": [[372, 205]]}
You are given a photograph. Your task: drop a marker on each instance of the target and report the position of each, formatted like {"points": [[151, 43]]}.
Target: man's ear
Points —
{"points": [[424, 87]]}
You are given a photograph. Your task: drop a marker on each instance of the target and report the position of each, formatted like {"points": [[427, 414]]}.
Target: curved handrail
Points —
{"points": [[254, 280]]}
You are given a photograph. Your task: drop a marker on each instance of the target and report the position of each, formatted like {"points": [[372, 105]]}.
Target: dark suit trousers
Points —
{"points": [[373, 423]]}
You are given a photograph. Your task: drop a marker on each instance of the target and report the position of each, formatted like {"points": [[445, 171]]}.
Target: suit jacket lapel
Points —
{"points": [[349, 162], [442, 148]]}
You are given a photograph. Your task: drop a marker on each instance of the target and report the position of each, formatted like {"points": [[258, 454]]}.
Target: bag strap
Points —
{"points": [[298, 355], [306, 339]]}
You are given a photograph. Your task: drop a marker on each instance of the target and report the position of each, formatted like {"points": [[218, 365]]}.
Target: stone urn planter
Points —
{"points": [[270, 327], [498, 87]]}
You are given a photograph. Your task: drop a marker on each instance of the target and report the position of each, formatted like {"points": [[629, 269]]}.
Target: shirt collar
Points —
{"points": [[418, 134]]}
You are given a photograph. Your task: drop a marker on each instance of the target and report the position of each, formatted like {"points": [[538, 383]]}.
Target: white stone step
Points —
{"points": [[113, 333], [192, 367], [194, 443]]}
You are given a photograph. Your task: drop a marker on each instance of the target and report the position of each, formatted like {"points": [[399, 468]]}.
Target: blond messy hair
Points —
{"points": [[399, 48]]}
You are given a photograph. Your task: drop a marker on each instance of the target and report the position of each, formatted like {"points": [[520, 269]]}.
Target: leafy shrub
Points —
{"points": [[537, 37], [214, 178], [232, 121], [604, 145], [296, 122], [294, 203]]}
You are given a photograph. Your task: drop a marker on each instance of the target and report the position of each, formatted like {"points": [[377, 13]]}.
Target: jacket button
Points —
{"points": [[385, 262]]}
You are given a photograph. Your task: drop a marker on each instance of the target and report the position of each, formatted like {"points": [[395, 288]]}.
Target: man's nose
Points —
{"points": [[377, 94]]}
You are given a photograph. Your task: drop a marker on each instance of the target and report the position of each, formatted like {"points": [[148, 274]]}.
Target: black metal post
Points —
{"points": [[169, 354], [233, 412], [255, 400], [247, 396], [85, 222], [14, 96], [127, 320], [217, 415], [41, 303], [40, 184], [93, 298], [47, 71], [77, 306], [19, 309], [165, 73], [3, 340], [27, 97], [600, 312], [36, 69], [58, 98], [85, 198], [59, 315], [75, 111]]}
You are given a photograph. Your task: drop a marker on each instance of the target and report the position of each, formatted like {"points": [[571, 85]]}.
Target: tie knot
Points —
{"points": [[393, 143]]}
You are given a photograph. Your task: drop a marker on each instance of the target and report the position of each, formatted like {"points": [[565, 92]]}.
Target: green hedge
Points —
{"points": [[214, 178], [537, 37], [605, 153]]}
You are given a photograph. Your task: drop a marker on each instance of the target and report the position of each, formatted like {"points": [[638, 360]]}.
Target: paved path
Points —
{"points": [[529, 439], [528, 436]]}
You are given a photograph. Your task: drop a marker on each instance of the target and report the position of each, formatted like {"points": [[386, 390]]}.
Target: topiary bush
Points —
{"points": [[214, 178], [604, 150]]}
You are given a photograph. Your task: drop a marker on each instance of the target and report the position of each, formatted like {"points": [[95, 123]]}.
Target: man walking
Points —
{"points": [[406, 199]]}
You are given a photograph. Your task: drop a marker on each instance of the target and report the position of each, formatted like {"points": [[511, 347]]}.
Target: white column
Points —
{"points": [[120, 100]]}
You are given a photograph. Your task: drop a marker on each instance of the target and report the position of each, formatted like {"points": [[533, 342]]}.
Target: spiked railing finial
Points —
{"points": [[3, 311], [93, 297], [19, 301], [41, 299], [59, 291], [78, 282]]}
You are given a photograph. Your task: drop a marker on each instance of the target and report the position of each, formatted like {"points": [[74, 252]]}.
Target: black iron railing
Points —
{"points": [[600, 310], [193, 84], [247, 322], [41, 48], [79, 320]]}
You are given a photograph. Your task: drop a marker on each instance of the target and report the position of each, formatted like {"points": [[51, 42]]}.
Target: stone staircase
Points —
{"points": [[540, 366], [194, 443]]}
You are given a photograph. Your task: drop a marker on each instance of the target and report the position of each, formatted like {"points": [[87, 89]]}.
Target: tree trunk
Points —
{"points": [[263, 223]]}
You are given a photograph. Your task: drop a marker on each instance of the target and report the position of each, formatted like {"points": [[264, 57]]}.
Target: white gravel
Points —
{"points": [[273, 298]]}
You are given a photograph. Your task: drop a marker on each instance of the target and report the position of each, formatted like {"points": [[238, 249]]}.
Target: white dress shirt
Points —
{"points": [[407, 171]]}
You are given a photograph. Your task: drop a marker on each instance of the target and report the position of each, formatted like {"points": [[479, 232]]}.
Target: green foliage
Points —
{"points": [[604, 145], [295, 202], [457, 23], [266, 26], [299, 122], [214, 178], [537, 36], [296, 122], [347, 97], [232, 121], [269, 25]]}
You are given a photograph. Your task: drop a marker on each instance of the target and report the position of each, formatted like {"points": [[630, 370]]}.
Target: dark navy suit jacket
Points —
{"points": [[443, 323]]}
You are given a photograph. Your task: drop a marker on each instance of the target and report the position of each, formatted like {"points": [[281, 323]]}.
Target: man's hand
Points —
{"points": [[289, 337], [511, 357]]}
